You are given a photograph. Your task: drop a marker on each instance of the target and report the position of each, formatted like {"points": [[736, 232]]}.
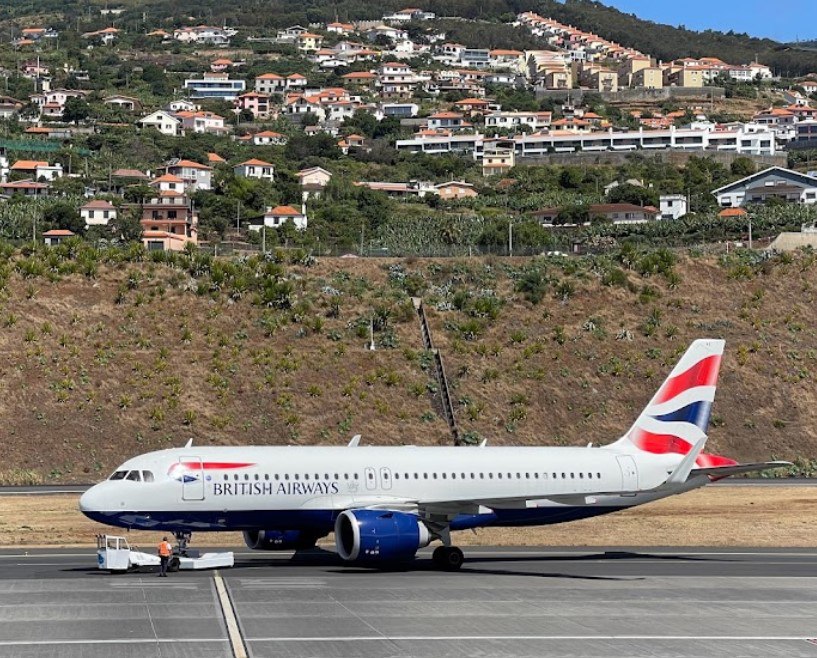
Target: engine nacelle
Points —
{"points": [[278, 540], [378, 535]]}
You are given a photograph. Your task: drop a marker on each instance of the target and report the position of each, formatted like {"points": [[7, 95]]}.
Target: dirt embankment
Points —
{"points": [[143, 357], [715, 516]]}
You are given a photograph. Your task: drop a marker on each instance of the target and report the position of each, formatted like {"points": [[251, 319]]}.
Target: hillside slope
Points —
{"points": [[662, 41], [141, 356]]}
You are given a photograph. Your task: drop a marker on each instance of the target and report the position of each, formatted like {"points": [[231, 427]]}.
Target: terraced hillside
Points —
{"points": [[105, 355]]}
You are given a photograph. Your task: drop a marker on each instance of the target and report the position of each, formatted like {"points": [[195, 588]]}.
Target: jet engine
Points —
{"points": [[379, 535], [278, 540]]}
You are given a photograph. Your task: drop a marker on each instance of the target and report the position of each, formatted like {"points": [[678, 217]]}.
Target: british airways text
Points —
{"points": [[274, 489]]}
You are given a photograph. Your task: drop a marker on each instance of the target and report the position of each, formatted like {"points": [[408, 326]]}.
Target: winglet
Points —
{"points": [[355, 441], [682, 471], [189, 443]]}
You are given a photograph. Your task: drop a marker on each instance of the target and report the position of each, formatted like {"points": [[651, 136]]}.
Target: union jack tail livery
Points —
{"points": [[678, 414]]}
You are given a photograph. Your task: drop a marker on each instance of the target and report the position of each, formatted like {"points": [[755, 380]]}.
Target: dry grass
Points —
{"points": [[716, 516], [107, 381]]}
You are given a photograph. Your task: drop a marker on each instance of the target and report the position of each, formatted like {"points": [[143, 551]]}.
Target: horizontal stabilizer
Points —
{"points": [[726, 471], [681, 473]]}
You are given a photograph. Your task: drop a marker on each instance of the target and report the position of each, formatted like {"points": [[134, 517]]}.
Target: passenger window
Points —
{"points": [[246, 476], [444, 476], [564, 476], [434, 475], [286, 476], [572, 476], [397, 476], [490, 476], [277, 477], [356, 476], [226, 477], [598, 475], [345, 476], [306, 476], [133, 476], [235, 477], [266, 476], [296, 476], [257, 477]]}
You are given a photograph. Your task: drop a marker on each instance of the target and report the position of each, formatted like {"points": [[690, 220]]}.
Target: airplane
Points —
{"points": [[385, 503]]}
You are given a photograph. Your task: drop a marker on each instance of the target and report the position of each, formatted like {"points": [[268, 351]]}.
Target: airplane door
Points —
{"points": [[629, 473], [385, 478], [370, 475], [192, 477]]}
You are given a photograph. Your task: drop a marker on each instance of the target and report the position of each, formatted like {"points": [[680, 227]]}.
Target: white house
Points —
{"points": [[269, 138], [215, 85], [97, 212], [773, 183], [255, 168], [313, 181], [164, 122], [202, 122], [673, 206], [279, 215], [196, 176]]}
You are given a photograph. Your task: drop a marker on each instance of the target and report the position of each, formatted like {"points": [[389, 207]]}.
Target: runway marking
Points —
{"points": [[464, 638], [230, 619], [46, 643]]}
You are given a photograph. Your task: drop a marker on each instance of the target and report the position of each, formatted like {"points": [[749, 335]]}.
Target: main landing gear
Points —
{"points": [[448, 558]]}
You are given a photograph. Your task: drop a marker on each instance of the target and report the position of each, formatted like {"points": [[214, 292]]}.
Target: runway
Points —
{"points": [[593, 602]]}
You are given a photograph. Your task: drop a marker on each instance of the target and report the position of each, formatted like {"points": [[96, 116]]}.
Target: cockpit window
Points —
{"points": [[118, 475], [134, 475], [147, 476]]}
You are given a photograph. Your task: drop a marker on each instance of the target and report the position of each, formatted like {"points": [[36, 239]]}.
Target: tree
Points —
{"points": [[76, 110], [127, 226], [64, 214], [743, 167], [634, 194]]}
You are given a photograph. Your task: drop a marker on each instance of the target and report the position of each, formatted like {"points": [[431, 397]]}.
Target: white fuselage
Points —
{"points": [[230, 488]]}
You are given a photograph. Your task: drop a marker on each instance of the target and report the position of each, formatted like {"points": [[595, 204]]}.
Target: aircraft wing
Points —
{"points": [[737, 469]]}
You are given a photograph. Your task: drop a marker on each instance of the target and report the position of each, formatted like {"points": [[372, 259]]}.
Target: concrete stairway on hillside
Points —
{"points": [[446, 406]]}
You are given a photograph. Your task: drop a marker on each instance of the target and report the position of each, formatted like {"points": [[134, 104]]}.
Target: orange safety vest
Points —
{"points": [[165, 549]]}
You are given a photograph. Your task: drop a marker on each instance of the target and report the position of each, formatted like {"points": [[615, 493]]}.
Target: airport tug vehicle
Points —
{"points": [[116, 555]]}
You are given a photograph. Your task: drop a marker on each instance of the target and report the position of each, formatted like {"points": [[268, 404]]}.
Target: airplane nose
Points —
{"points": [[90, 500]]}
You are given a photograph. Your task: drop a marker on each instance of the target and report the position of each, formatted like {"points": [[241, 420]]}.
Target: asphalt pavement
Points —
{"points": [[594, 602]]}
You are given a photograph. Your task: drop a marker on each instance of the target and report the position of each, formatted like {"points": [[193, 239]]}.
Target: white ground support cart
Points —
{"points": [[116, 555]]}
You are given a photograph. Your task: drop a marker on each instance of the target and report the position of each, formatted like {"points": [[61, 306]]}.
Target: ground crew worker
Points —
{"points": [[165, 551]]}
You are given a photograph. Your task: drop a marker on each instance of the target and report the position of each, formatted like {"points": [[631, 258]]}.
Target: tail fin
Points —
{"points": [[677, 417]]}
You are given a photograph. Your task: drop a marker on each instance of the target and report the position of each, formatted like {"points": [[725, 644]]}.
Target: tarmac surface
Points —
{"points": [[587, 603]]}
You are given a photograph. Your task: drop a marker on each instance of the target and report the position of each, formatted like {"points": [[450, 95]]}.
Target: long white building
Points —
{"points": [[538, 144]]}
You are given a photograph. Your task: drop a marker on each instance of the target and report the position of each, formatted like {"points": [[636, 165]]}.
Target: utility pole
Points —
{"points": [[362, 228], [238, 215], [750, 231], [264, 238], [510, 238]]}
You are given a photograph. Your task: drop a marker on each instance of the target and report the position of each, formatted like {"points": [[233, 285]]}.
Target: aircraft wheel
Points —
{"points": [[448, 558], [173, 564]]}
